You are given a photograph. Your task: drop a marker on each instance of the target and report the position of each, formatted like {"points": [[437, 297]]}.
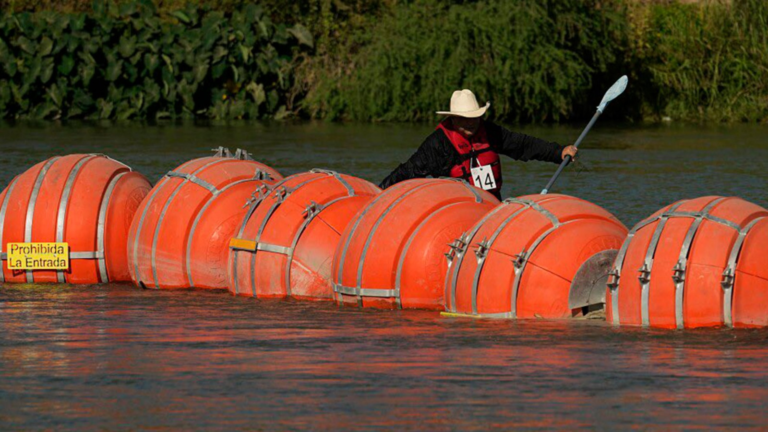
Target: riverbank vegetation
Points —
{"points": [[383, 60]]}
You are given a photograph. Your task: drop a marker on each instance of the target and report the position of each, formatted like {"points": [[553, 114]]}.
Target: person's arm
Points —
{"points": [[429, 160], [523, 147]]}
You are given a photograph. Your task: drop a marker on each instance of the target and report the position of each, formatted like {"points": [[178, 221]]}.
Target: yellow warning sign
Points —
{"points": [[38, 256], [242, 244]]}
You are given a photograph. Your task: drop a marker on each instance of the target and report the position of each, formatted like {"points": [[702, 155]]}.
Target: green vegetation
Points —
{"points": [[704, 62], [127, 61], [534, 59], [382, 60]]}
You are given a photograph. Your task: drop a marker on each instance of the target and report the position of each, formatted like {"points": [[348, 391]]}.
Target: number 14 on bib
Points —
{"points": [[483, 178]]}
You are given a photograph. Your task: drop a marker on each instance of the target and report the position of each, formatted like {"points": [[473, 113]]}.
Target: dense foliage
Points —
{"points": [[127, 61], [705, 62], [382, 60], [535, 59]]}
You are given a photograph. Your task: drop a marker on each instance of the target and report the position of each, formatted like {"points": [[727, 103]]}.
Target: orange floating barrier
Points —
{"points": [[285, 244], [543, 256], [85, 200], [745, 278], [695, 263], [181, 233], [393, 254]]}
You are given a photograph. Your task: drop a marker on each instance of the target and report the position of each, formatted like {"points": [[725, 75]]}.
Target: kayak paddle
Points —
{"points": [[616, 89]]}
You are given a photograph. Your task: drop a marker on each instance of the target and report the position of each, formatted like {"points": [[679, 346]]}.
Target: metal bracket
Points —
{"points": [[176, 174], [613, 279], [645, 274], [459, 245], [322, 171], [281, 194], [728, 279], [482, 250], [312, 210], [262, 175], [457, 249], [262, 191], [450, 256], [222, 152], [519, 260], [365, 292], [241, 154], [678, 273]]}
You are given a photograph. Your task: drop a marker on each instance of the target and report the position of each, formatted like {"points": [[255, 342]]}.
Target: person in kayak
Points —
{"points": [[466, 146]]}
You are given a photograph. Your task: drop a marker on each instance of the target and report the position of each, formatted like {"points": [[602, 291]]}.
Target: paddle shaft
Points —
{"points": [[568, 158]]}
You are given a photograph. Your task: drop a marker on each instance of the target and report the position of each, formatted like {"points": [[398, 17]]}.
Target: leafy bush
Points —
{"points": [[707, 62], [382, 60], [533, 59], [127, 61]]}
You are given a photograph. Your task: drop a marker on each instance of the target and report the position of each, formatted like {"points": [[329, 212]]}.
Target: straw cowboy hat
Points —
{"points": [[464, 104]]}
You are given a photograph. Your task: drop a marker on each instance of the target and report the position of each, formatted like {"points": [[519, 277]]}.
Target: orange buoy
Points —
{"points": [[85, 200], [392, 255], [745, 279], [691, 264], [181, 233], [544, 256], [285, 244]]}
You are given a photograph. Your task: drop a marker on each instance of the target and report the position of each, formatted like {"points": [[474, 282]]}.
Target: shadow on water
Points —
{"points": [[116, 357]]}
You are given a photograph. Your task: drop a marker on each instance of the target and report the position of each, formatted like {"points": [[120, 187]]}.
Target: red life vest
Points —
{"points": [[474, 152]]}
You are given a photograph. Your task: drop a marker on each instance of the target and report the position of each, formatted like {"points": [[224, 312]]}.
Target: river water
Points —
{"points": [[115, 357]]}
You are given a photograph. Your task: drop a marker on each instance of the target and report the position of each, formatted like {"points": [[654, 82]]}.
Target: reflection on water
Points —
{"points": [[115, 357]]}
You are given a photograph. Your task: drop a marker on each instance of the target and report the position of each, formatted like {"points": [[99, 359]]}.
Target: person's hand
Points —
{"points": [[570, 151]]}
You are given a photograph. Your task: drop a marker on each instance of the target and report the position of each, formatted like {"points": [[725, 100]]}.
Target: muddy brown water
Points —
{"points": [[118, 358]]}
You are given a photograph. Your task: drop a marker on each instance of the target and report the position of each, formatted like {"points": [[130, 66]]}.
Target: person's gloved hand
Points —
{"points": [[570, 151]]}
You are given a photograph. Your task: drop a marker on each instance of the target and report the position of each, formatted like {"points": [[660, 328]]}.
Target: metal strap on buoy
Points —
{"points": [[186, 178], [474, 190], [31, 207], [101, 232], [458, 251], [678, 275], [263, 191], [147, 204], [338, 287], [461, 247], [679, 272], [312, 210], [3, 211], [484, 246], [258, 175], [614, 277], [394, 293], [61, 216], [524, 257], [359, 291], [193, 179], [645, 271], [729, 274], [404, 253], [238, 244]]}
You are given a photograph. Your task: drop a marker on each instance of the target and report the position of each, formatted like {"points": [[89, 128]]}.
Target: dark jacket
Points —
{"points": [[436, 155]]}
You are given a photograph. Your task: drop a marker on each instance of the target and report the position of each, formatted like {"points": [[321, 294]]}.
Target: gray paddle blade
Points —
{"points": [[616, 89]]}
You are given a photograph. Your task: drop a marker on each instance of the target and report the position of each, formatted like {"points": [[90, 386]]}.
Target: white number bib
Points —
{"points": [[483, 178]]}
